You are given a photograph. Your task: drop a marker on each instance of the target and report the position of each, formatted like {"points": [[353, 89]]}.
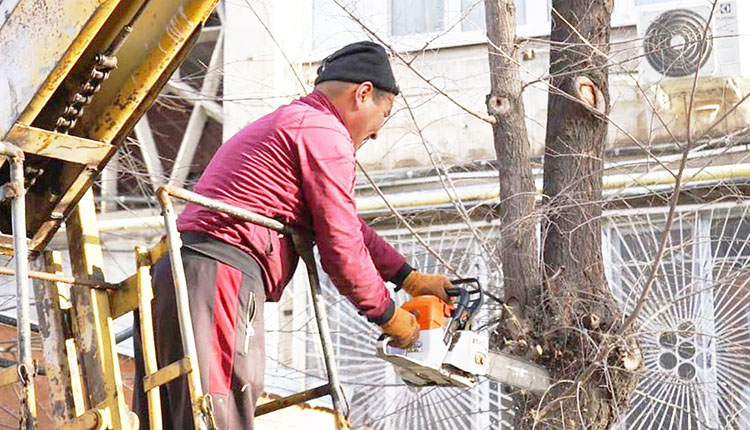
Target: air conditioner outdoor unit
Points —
{"points": [[674, 45]]}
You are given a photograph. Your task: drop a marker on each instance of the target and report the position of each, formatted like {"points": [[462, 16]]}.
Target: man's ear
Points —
{"points": [[364, 90]]}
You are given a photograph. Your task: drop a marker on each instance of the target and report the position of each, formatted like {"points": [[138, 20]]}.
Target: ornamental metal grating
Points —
{"points": [[695, 333], [378, 399], [695, 329]]}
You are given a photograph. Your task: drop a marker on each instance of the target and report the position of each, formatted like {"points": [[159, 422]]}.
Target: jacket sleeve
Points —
{"points": [[327, 173], [389, 262]]}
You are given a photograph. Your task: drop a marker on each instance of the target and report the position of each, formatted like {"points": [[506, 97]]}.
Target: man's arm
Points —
{"points": [[394, 268], [327, 171], [391, 265]]}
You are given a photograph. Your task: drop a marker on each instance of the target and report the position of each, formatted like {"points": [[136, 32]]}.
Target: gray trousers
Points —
{"points": [[226, 306]]}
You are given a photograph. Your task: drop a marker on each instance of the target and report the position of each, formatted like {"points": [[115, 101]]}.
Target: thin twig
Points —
{"points": [[408, 226], [447, 183], [673, 203], [416, 235]]}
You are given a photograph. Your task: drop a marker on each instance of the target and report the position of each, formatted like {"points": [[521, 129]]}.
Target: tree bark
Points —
{"points": [[578, 308], [519, 250], [575, 141]]}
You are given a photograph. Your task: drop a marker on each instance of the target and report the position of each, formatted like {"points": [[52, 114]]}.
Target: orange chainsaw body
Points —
{"points": [[431, 312]]}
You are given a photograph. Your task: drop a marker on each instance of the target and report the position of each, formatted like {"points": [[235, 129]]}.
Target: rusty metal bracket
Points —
{"points": [[293, 399], [167, 374], [93, 419], [9, 191]]}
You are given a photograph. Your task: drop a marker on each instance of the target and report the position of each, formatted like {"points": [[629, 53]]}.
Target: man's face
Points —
{"points": [[370, 114]]}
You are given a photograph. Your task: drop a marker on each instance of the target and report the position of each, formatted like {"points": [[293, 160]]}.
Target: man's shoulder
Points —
{"points": [[298, 122], [291, 115]]}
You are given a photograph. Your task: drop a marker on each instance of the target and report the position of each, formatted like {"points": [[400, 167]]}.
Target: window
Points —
{"points": [[416, 24], [473, 13], [474, 17], [415, 17]]}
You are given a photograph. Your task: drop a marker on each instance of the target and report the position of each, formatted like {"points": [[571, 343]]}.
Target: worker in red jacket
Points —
{"points": [[296, 165]]}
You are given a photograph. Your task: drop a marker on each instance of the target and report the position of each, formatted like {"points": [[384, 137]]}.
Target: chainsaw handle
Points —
{"points": [[463, 298], [465, 302], [461, 281], [381, 345]]}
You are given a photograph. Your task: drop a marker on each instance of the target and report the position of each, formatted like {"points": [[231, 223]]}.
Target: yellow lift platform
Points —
{"points": [[76, 77]]}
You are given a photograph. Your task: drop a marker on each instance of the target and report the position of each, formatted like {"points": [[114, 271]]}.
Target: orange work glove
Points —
{"points": [[402, 328], [426, 284]]}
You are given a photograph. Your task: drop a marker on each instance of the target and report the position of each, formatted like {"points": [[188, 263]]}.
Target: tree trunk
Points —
{"points": [[519, 251], [578, 307], [574, 145]]}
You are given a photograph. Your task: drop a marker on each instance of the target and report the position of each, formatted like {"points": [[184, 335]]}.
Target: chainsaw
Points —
{"points": [[449, 353]]}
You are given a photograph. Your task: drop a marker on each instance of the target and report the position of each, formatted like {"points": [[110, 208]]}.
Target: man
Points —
{"points": [[295, 165]]}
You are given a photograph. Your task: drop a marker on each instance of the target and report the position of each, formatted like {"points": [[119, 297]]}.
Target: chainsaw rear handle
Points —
{"points": [[465, 307], [459, 304]]}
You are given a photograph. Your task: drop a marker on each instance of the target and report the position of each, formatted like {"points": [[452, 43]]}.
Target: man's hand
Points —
{"points": [[402, 328], [425, 284]]}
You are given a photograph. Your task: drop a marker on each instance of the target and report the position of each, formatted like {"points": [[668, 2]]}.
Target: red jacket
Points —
{"points": [[297, 165]]}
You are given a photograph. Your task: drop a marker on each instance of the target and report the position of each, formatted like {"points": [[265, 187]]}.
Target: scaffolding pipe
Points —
{"points": [[54, 277], [15, 190], [234, 211], [340, 408], [303, 246], [198, 401]]}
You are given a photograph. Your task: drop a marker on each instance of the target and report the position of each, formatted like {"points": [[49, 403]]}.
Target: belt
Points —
{"points": [[216, 249]]}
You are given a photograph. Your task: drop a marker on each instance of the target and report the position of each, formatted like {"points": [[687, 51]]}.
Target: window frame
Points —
{"points": [[378, 18]]}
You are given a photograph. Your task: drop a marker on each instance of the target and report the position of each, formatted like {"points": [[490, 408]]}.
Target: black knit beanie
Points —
{"points": [[357, 63]]}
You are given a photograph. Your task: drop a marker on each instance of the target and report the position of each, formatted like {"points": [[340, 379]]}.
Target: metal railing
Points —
{"points": [[304, 247]]}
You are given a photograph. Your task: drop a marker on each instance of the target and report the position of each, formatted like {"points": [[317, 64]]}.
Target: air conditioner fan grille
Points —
{"points": [[675, 45]]}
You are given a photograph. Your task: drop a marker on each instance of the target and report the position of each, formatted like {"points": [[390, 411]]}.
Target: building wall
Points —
{"points": [[262, 75]]}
